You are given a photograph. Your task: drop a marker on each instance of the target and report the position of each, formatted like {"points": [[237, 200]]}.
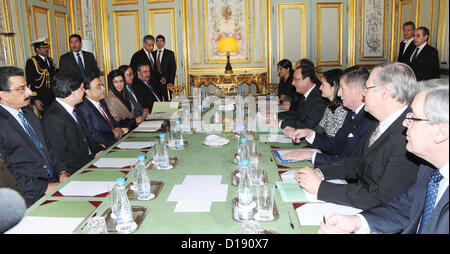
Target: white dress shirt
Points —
{"points": [[407, 42], [420, 49], [67, 107]]}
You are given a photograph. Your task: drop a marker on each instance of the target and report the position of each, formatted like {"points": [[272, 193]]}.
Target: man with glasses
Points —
{"points": [[381, 165], [424, 208], [35, 167]]}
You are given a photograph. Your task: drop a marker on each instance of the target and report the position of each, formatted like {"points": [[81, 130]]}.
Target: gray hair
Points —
{"points": [[436, 106], [400, 78], [355, 76]]}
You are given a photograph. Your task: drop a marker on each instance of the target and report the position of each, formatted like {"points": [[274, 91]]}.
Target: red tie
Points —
{"points": [[104, 115], [158, 61]]}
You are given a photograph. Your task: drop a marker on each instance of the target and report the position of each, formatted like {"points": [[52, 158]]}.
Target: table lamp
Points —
{"points": [[228, 45]]}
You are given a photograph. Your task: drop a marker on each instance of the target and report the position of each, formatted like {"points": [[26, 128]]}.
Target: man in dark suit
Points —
{"points": [[308, 109], [424, 208], [407, 45], [145, 56], [35, 166], [381, 165], [39, 71], [353, 132], [101, 125], [81, 62], [64, 126], [7, 179], [166, 65], [424, 60], [146, 92]]}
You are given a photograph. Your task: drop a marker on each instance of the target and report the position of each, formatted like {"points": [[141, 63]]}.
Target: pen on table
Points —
{"points": [[324, 220], [290, 221]]}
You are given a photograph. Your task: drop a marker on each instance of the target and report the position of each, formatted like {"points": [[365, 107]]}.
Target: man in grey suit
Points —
{"points": [[424, 208], [78, 61]]}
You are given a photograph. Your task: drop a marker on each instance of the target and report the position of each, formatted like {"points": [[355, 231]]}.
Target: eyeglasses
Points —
{"points": [[365, 88], [296, 79], [409, 119], [20, 89]]}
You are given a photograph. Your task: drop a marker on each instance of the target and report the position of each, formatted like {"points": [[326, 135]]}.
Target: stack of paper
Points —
{"points": [[278, 139], [45, 225], [313, 213], [149, 126], [198, 192], [160, 116]]}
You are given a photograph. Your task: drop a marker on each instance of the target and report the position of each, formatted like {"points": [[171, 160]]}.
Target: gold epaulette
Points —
{"points": [[44, 74]]}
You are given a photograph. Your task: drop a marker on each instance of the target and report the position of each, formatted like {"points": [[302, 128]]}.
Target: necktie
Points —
{"points": [[158, 61], [374, 136], [415, 54], [433, 187], [151, 89], [104, 115], [353, 115], [80, 65], [152, 64], [75, 115], [29, 130]]}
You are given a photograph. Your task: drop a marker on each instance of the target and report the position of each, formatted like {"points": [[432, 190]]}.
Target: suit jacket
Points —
{"points": [[7, 180], [404, 57], [144, 94], [22, 157], [98, 127], [141, 57], [383, 170], [68, 63], [120, 112], [341, 145], [306, 113], [40, 84], [426, 64], [168, 69], [70, 140], [403, 214]]}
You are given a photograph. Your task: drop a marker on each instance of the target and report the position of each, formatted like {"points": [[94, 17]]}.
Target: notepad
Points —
{"points": [[86, 188], [115, 162], [135, 145], [291, 192], [45, 225], [164, 107], [312, 214]]}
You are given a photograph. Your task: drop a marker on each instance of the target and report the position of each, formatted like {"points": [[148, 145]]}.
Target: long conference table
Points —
{"points": [[195, 159]]}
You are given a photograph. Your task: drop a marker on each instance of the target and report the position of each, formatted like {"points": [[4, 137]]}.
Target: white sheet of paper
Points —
{"points": [[151, 124], [115, 162], [202, 179], [204, 192], [189, 206], [288, 176], [135, 145], [85, 188], [312, 213], [160, 116], [278, 139], [45, 225]]}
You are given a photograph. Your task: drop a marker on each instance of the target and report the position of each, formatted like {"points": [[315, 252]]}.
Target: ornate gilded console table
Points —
{"points": [[259, 79]]}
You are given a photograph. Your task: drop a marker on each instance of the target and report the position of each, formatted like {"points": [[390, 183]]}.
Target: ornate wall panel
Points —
{"points": [[329, 34]]}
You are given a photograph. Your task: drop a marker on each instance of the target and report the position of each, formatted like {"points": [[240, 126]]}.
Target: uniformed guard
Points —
{"points": [[40, 70]]}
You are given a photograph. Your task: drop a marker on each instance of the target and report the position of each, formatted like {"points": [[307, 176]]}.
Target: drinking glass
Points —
{"points": [[264, 202], [256, 172], [97, 225], [112, 196]]}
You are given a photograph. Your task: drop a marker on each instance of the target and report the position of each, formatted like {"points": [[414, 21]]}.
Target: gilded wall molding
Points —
{"points": [[340, 12]]}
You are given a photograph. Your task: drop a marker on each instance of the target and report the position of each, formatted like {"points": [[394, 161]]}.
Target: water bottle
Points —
{"points": [[178, 136], [143, 181], [124, 215], [245, 193], [186, 121], [164, 155], [243, 151]]}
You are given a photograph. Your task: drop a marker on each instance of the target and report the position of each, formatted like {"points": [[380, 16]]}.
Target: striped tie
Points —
{"points": [[374, 136]]}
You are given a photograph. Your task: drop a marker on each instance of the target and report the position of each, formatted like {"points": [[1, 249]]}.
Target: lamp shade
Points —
{"points": [[228, 44]]}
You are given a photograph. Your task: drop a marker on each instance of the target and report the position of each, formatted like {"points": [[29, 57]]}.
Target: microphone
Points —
{"points": [[12, 209]]}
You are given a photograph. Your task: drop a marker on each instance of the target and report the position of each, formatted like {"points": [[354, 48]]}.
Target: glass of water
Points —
{"points": [[144, 188], [256, 172], [251, 227], [97, 225], [264, 202], [112, 197]]}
